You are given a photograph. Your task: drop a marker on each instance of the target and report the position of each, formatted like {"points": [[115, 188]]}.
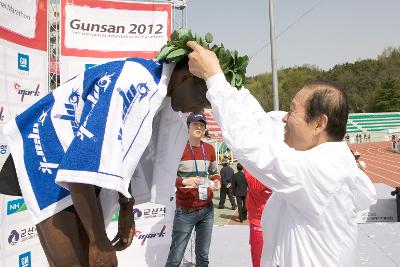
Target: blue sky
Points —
{"points": [[335, 32]]}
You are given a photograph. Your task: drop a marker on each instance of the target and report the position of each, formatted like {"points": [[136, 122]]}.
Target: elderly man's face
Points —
{"points": [[298, 133]]}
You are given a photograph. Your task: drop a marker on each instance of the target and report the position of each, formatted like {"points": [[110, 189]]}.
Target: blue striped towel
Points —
{"points": [[95, 129]]}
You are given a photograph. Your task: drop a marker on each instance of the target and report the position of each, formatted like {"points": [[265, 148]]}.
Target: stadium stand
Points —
{"points": [[372, 122]]}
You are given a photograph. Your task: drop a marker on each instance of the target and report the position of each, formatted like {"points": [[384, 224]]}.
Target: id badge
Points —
{"points": [[203, 192]]}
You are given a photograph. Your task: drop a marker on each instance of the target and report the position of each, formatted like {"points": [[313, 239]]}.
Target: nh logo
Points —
{"points": [[25, 259], [14, 206]]}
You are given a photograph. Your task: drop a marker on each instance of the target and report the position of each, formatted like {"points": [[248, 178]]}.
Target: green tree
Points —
{"points": [[388, 96], [369, 84]]}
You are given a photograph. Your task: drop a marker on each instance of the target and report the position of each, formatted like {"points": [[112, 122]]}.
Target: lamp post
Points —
{"points": [[275, 95]]}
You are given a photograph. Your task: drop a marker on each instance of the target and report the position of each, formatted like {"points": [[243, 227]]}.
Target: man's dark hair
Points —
{"points": [[239, 167], [328, 99]]}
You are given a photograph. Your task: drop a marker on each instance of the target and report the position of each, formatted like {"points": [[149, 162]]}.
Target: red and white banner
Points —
{"points": [[19, 17], [24, 23], [23, 59], [23, 81], [94, 32]]}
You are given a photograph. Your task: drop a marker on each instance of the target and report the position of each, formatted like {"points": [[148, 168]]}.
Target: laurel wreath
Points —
{"points": [[233, 65]]}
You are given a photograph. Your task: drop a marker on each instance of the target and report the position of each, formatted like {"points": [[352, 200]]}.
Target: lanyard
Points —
{"points": [[195, 162]]}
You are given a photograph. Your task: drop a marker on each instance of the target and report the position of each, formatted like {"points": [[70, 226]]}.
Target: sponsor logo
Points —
{"points": [[1, 113], [3, 149], [23, 62], [15, 206], [21, 236], [144, 214], [71, 107], [144, 236], [26, 92], [137, 213], [13, 237], [25, 259], [45, 167], [149, 213]]}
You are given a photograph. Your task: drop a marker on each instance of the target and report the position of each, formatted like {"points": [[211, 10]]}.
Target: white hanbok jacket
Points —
{"points": [[310, 220]]}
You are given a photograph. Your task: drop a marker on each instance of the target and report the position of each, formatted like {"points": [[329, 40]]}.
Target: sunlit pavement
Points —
{"points": [[225, 216]]}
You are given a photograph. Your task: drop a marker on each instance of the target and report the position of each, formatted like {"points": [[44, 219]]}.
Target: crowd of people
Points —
{"points": [[359, 138]]}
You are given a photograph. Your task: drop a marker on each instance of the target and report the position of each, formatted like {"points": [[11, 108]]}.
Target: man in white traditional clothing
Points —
{"points": [[310, 220]]}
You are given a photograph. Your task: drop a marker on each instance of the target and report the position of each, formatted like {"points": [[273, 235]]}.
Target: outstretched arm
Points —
{"points": [[251, 133]]}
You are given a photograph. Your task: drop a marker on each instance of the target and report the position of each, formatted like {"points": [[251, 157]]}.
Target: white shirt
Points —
{"points": [[310, 219]]}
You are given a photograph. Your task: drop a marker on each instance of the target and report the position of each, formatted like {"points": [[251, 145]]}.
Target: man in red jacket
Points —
{"points": [[257, 196], [197, 177]]}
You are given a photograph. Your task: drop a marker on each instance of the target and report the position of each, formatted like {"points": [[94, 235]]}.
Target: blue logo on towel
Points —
{"points": [[45, 166], [129, 98], [25, 259], [99, 88], [23, 62], [71, 107], [143, 90]]}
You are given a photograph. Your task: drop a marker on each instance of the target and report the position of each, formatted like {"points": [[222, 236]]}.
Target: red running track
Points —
{"points": [[383, 165]]}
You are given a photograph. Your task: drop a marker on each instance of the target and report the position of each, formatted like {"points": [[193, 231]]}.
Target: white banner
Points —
{"points": [[23, 60], [384, 210], [150, 246], [115, 29], [4, 150], [20, 245], [23, 81], [19, 16], [95, 32]]}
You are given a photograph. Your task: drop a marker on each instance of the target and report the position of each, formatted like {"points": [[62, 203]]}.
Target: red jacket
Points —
{"points": [[257, 196]]}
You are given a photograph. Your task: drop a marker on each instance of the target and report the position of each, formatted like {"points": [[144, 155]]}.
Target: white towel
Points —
{"points": [[94, 129]]}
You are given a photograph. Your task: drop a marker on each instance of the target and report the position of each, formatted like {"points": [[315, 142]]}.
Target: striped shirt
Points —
{"points": [[188, 197]]}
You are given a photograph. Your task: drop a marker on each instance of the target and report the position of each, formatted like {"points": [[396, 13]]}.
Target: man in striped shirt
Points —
{"points": [[196, 179]]}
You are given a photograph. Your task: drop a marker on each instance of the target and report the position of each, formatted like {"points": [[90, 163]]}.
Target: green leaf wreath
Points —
{"points": [[233, 65]]}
